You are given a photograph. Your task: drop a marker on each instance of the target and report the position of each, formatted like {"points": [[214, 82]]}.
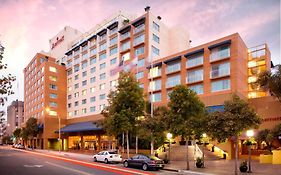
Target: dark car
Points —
{"points": [[145, 162]]}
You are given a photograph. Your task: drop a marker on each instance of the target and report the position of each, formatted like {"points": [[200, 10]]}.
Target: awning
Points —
{"points": [[227, 42], [219, 108], [125, 29], [139, 22], [102, 32], [113, 25], [155, 65], [194, 52], [80, 127], [173, 59]]}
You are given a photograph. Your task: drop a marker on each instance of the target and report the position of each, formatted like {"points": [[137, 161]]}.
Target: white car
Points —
{"points": [[107, 156]]}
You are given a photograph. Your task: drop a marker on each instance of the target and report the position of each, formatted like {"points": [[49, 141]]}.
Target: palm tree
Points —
{"points": [[271, 81]]}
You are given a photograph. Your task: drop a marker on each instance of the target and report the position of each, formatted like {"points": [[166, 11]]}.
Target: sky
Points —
{"points": [[27, 25]]}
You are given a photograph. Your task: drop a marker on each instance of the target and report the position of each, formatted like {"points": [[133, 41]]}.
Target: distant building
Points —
{"points": [[15, 116]]}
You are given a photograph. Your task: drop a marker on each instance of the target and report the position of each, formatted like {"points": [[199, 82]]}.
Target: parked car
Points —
{"points": [[145, 162], [107, 157]]}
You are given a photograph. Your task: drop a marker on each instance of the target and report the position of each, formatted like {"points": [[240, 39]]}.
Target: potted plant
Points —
{"points": [[199, 162], [243, 166]]}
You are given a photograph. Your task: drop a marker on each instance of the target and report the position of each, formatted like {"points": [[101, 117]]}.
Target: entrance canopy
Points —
{"points": [[80, 127]]}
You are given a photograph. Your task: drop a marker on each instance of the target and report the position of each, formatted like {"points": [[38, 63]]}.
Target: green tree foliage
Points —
{"points": [[267, 136], [271, 82], [236, 117], [32, 127], [185, 111], [126, 104], [5, 81], [17, 133]]}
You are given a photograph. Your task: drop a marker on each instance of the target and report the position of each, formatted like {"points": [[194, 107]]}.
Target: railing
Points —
{"points": [[197, 152], [194, 78], [219, 73], [139, 28], [125, 35]]}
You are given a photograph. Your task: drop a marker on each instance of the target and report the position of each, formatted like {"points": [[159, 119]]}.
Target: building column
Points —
{"points": [[45, 143], [99, 142], [82, 143]]}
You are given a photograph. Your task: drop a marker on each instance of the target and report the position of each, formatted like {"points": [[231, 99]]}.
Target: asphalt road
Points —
{"points": [[16, 162]]}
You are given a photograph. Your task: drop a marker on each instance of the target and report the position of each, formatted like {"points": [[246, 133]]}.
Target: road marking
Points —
{"points": [[70, 169], [194, 172], [33, 166], [92, 165]]}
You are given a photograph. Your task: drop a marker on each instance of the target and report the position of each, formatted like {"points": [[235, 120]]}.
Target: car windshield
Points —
{"points": [[154, 158], [112, 152]]}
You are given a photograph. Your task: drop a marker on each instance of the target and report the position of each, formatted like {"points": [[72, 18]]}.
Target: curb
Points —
{"points": [[170, 169]]}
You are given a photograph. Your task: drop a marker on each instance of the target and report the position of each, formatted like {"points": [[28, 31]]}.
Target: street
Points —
{"points": [[18, 162]]}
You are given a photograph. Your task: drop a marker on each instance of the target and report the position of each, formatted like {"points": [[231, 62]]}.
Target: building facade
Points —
{"points": [[45, 97], [15, 116]]}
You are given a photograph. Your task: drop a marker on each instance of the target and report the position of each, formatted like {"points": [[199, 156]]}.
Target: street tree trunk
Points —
{"points": [[128, 148], [123, 142], [152, 147], [137, 140], [236, 155], [187, 161]]}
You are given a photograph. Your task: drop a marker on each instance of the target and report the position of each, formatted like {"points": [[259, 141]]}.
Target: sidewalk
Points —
{"points": [[212, 167]]}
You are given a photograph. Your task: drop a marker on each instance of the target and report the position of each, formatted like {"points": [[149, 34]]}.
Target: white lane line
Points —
{"points": [[193, 172], [70, 169]]}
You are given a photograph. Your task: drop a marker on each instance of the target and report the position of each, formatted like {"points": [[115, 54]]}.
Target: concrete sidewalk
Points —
{"points": [[212, 167]]}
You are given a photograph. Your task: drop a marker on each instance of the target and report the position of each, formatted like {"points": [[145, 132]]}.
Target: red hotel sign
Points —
{"points": [[58, 41]]}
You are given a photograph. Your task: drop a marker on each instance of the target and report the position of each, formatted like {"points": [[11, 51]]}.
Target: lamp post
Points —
{"points": [[249, 133], [204, 135], [169, 136]]}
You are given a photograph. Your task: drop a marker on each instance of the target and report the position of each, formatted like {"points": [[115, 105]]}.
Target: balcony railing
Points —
{"points": [[194, 78], [125, 35], [219, 73], [218, 55], [139, 28], [172, 83]]}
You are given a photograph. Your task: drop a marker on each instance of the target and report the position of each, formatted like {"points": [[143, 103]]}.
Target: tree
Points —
{"points": [[31, 128], [271, 82], [126, 104], [236, 117], [185, 107], [267, 136], [153, 127], [17, 133]]}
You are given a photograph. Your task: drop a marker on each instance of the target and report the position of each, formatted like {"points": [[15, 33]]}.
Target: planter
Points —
{"points": [[243, 169], [266, 158], [166, 161], [199, 164]]}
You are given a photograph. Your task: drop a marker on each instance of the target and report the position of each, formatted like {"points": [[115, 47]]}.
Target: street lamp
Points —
{"points": [[204, 135], [48, 111], [249, 133], [169, 136]]}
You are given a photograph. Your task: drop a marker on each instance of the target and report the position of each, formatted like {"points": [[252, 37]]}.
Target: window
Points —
{"points": [[220, 85], [102, 56], [102, 96], [93, 79], [139, 39], [93, 61], [126, 56], [155, 72], [102, 76], [84, 101], [53, 95], [139, 75], [69, 72], [113, 41], [84, 110], [92, 109], [76, 86], [194, 60], [103, 47], [76, 112], [93, 69], [53, 113], [139, 51], [84, 65], [53, 104], [69, 80], [139, 28], [69, 97], [84, 92], [173, 67], [76, 68], [141, 86], [113, 61], [194, 76], [197, 88], [102, 86], [92, 99], [155, 38], [84, 56], [113, 51], [173, 81], [53, 87], [76, 77], [220, 53], [84, 74], [69, 105], [84, 83], [113, 83], [155, 85], [125, 46], [102, 66], [76, 94], [69, 114], [53, 78], [52, 69], [93, 51], [125, 35], [102, 106], [156, 26], [141, 63], [220, 70], [92, 89], [156, 97], [85, 47]]}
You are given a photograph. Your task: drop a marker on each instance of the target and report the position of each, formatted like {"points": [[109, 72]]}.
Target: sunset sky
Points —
{"points": [[27, 25]]}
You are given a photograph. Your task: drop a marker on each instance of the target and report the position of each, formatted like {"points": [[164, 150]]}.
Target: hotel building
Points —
{"points": [[15, 116], [161, 58]]}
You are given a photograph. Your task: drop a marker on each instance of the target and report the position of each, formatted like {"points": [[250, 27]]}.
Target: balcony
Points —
{"points": [[194, 78], [139, 28], [220, 54], [219, 73], [125, 36]]}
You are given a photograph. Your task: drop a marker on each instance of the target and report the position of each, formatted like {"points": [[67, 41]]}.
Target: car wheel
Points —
{"points": [[144, 166], [126, 164], [106, 161], [95, 159]]}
